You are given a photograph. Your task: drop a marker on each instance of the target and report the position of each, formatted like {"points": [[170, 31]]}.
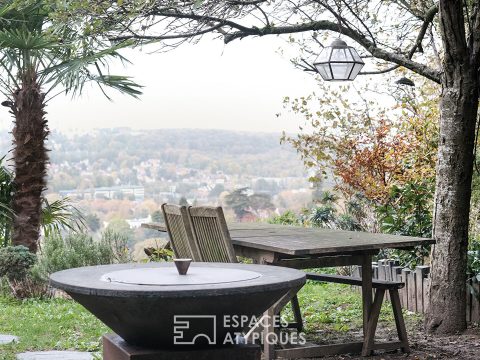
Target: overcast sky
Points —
{"points": [[239, 86]]}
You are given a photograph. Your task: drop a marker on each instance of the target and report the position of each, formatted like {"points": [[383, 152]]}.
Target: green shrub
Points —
{"points": [[348, 222], [408, 213], [118, 244], [159, 254], [15, 262], [287, 218], [75, 250], [323, 216], [16, 279]]}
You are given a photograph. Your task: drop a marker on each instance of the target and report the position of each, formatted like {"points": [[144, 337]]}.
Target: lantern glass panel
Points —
{"points": [[355, 71], [324, 55], [324, 71], [341, 71], [355, 55], [341, 54]]}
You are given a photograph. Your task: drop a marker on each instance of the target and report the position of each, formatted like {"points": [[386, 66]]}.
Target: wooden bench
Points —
{"points": [[380, 287]]}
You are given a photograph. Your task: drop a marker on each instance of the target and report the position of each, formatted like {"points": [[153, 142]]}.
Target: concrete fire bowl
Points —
{"points": [[152, 305]]}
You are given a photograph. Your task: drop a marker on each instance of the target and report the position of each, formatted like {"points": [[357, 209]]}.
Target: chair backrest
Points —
{"points": [[211, 234], [180, 232]]}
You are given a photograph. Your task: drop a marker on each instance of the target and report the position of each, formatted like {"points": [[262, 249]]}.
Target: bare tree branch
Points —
{"points": [[134, 35], [237, 19], [378, 72], [360, 38], [426, 23]]}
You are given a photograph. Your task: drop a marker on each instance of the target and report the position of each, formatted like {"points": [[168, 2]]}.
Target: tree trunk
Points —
{"points": [[447, 312], [30, 158], [458, 114]]}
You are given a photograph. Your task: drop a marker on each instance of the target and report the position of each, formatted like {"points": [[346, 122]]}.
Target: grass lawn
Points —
{"points": [[58, 324]]}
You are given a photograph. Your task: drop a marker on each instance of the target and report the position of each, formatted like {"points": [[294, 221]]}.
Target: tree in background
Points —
{"points": [[157, 216], [366, 146], [121, 228], [43, 55], [93, 222], [376, 154], [287, 218], [183, 201], [258, 201], [216, 191], [238, 201], [244, 203]]}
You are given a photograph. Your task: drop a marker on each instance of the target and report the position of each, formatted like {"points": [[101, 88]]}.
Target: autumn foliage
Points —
{"points": [[369, 149]]}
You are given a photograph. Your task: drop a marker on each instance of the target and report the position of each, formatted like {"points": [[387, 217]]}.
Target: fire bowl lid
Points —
{"points": [[168, 276], [202, 280]]}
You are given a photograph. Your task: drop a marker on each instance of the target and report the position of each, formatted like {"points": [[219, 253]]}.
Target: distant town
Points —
{"points": [[125, 175]]}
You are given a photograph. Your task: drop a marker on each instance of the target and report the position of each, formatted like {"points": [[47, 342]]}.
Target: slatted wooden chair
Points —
{"points": [[211, 234], [180, 232], [213, 240]]}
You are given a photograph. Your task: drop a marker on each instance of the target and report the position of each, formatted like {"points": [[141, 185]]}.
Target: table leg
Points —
{"points": [[268, 333], [267, 323], [366, 295], [366, 290]]}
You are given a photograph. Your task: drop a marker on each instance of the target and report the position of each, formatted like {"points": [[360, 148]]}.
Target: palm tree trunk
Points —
{"points": [[30, 158]]}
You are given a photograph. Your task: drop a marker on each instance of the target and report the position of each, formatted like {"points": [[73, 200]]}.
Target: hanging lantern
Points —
{"points": [[338, 62]]}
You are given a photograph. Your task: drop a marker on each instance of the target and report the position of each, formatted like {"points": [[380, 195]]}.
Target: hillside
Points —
{"points": [[119, 151]]}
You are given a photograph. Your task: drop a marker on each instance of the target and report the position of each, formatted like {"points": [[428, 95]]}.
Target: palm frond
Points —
{"points": [[76, 70], [30, 14], [123, 84], [23, 39], [62, 53], [61, 215]]}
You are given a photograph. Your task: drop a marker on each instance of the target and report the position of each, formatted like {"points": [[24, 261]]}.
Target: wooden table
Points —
{"points": [[302, 248]]}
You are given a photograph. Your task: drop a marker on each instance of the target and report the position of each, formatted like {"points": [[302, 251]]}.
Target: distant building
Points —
{"points": [[112, 192], [136, 223]]}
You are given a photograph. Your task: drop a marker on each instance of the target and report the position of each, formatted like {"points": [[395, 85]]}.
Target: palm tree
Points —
{"points": [[40, 54]]}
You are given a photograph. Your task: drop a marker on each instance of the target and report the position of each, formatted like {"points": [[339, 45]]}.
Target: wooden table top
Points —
{"points": [[293, 240], [296, 240]]}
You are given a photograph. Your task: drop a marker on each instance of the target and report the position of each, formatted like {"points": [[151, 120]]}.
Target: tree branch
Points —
{"points": [[198, 17], [426, 22], [134, 35], [252, 2], [360, 38], [219, 20], [378, 72], [360, 20]]}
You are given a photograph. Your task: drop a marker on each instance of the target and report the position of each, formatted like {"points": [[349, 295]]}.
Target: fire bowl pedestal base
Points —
{"points": [[115, 348]]}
